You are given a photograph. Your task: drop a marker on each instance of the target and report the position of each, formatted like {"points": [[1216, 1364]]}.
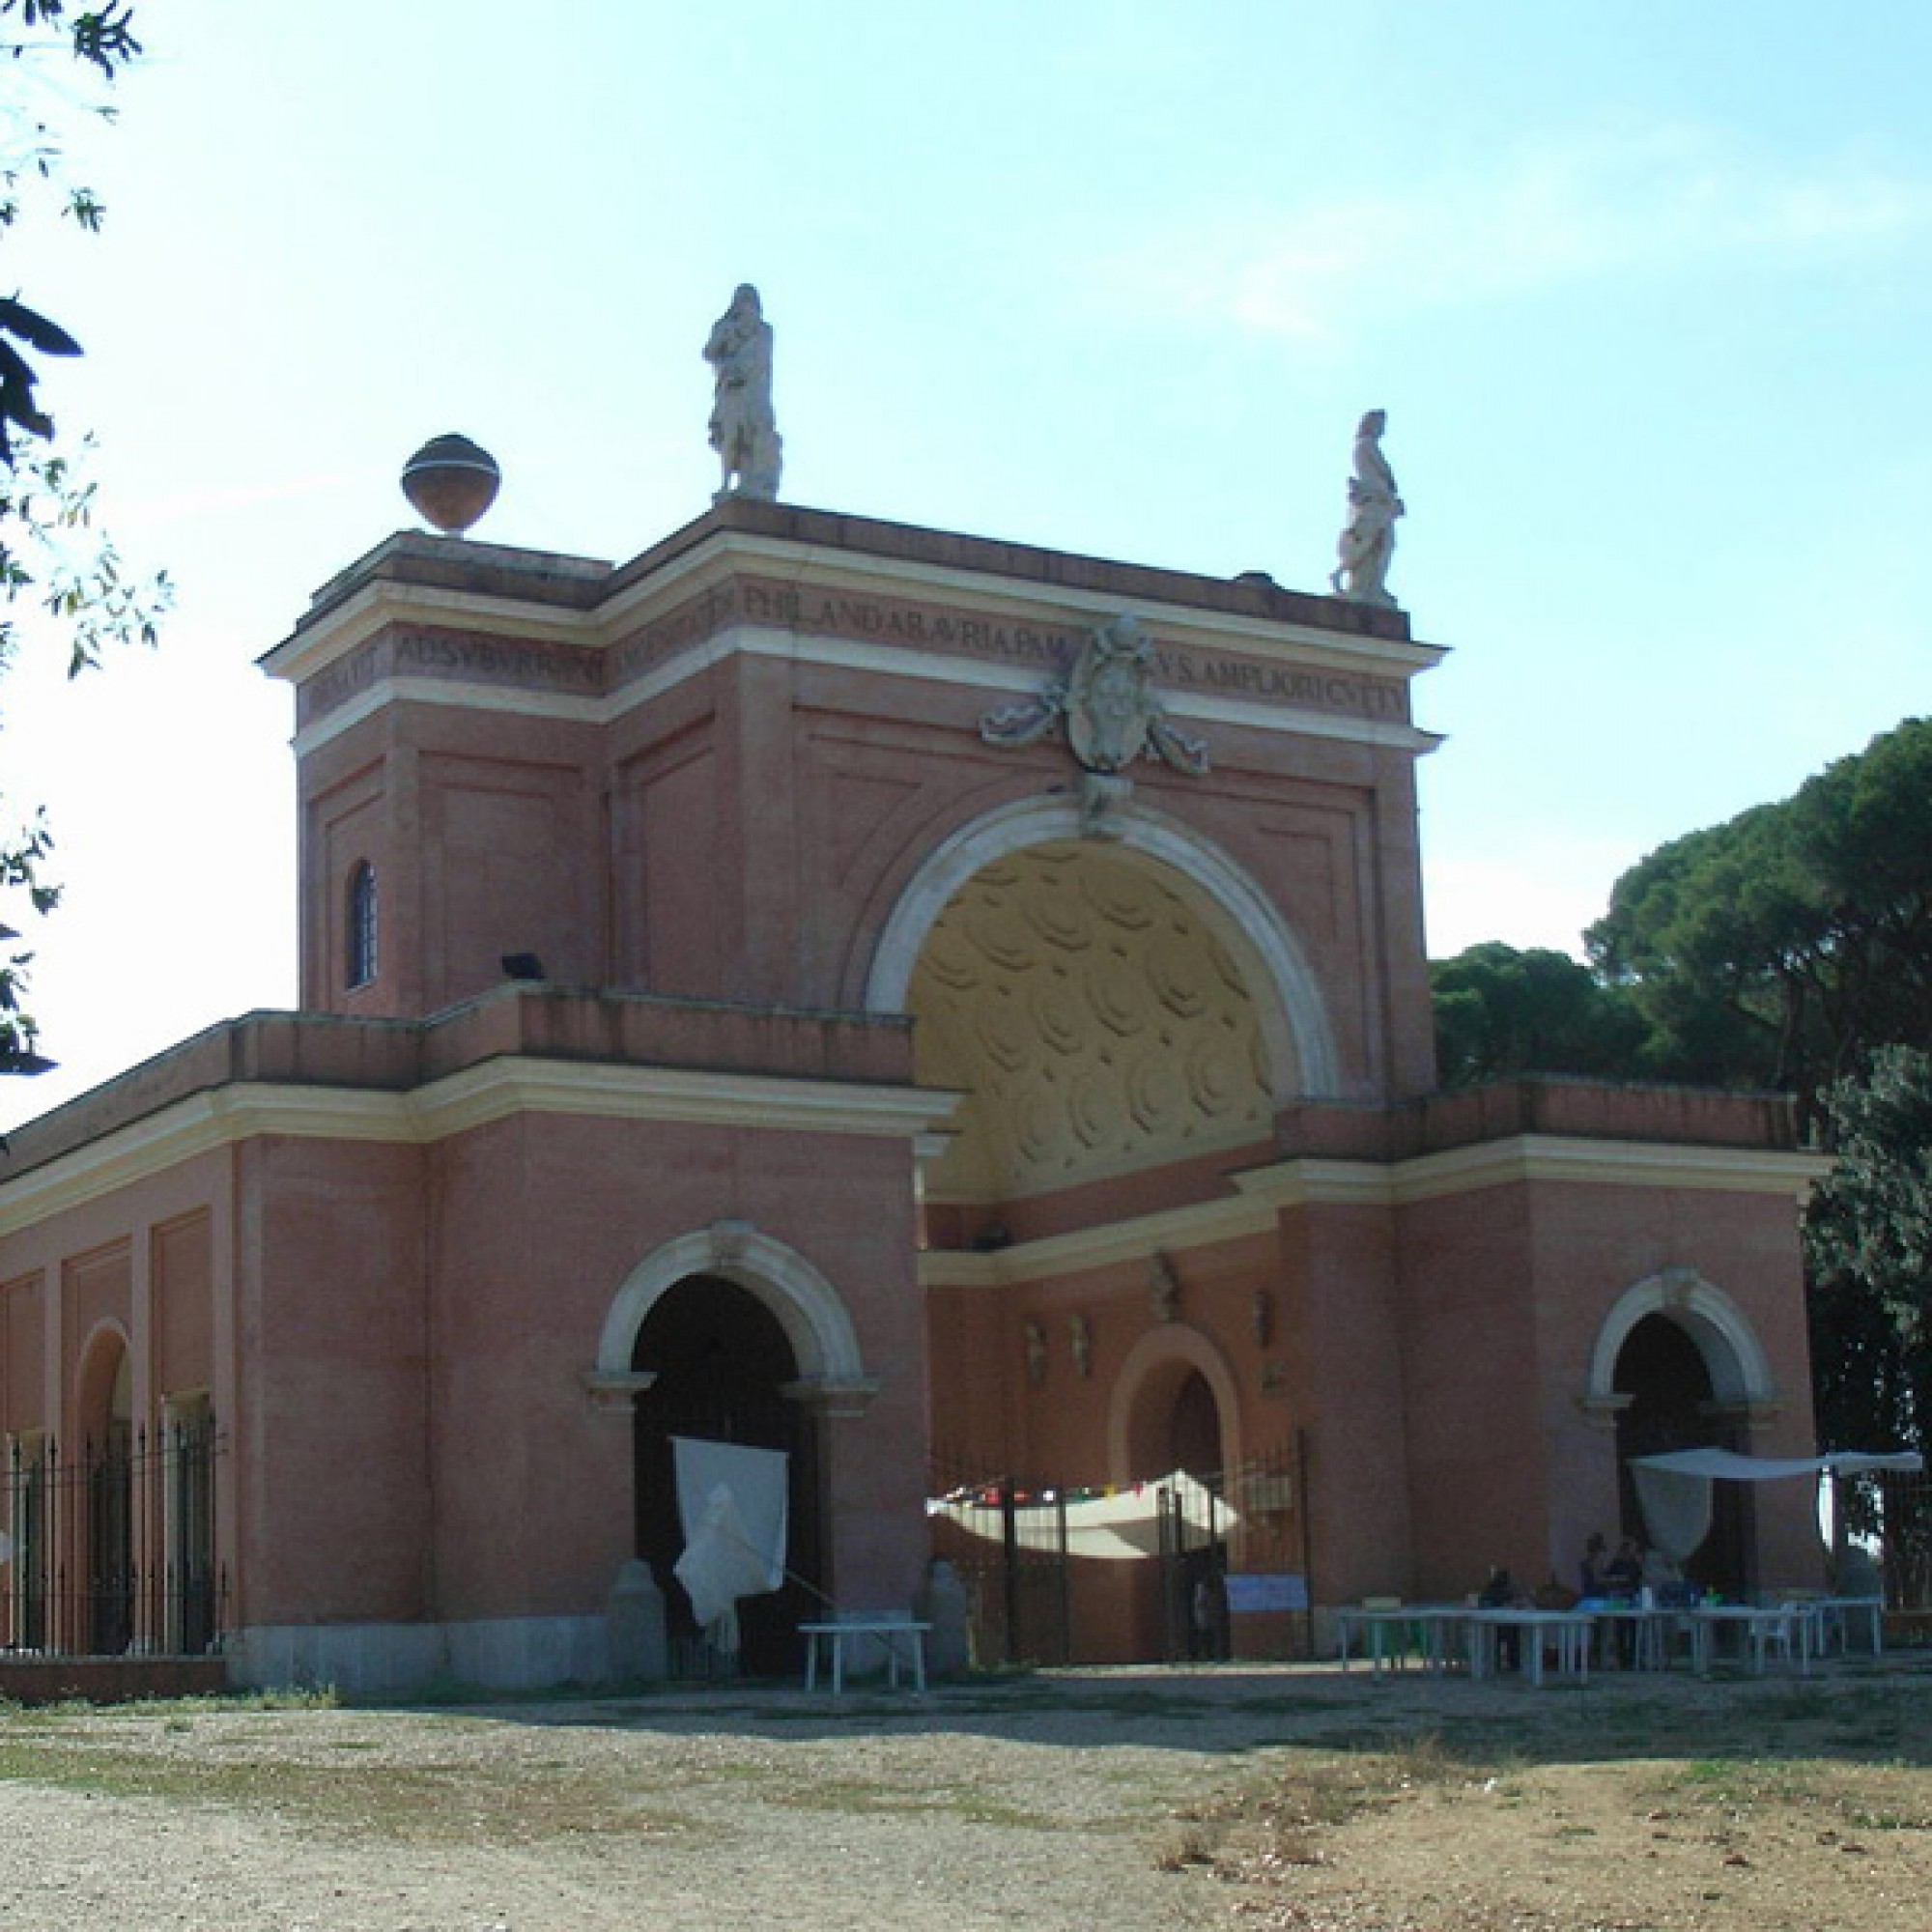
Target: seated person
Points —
{"points": [[1596, 1558], [1502, 1593], [1623, 1573]]}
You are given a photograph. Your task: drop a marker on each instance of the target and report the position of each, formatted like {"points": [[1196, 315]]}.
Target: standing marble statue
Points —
{"points": [[744, 430], [1367, 543]]}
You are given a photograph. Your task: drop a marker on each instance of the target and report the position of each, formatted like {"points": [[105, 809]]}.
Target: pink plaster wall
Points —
{"points": [[331, 1433], [1505, 1292], [747, 835], [546, 1217]]}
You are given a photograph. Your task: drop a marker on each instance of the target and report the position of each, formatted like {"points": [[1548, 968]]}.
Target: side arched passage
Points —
{"points": [[1174, 1410], [729, 1335], [1679, 1366]]}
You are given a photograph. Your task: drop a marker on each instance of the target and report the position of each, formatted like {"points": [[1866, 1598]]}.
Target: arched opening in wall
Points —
{"points": [[1097, 1021], [722, 1363], [1175, 1428], [1194, 1429], [106, 1474], [1674, 1405]]}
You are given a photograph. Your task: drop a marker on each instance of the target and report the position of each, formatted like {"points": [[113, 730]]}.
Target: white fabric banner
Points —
{"points": [[731, 1503]]}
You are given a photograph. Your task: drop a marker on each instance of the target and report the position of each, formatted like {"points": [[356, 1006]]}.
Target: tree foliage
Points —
{"points": [[1500, 1011], [1868, 1252], [1779, 949], [51, 554], [1789, 948]]}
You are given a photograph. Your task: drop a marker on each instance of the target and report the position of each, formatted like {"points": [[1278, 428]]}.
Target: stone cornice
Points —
{"points": [[1609, 1163], [719, 588], [474, 1098], [1265, 1193], [833, 654]]}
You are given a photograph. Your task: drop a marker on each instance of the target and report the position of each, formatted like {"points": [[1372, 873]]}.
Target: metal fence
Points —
{"points": [[113, 1546], [1894, 1512], [1012, 1544]]}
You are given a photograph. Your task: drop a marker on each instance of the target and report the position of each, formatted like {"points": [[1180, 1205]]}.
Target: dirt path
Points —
{"points": [[1292, 1798]]}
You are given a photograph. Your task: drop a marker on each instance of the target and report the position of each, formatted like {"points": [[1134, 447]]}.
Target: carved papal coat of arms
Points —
{"points": [[1112, 715]]}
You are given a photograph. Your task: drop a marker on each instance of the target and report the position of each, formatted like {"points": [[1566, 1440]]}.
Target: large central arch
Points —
{"points": [[1303, 1060]]}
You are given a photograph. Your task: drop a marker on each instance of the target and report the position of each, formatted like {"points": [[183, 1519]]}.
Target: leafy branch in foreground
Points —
{"points": [[51, 552]]}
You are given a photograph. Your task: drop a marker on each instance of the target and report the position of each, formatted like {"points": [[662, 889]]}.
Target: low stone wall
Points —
{"points": [[110, 1680]]}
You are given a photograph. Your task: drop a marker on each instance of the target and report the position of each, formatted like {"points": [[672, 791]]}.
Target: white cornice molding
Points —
{"points": [[821, 564], [476, 1097], [1609, 1163], [321, 639], [1266, 1192], [500, 1088], [1202, 1224], [370, 606], [1538, 1157], [833, 654]]}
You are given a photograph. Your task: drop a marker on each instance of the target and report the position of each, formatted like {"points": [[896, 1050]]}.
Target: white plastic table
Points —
{"points": [[1647, 1631], [886, 1631], [1793, 1625], [1569, 1630], [1436, 1623], [1835, 1619]]}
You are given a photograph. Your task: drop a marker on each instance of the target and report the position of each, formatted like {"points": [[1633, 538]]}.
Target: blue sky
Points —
{"points": [[1643, 288]]}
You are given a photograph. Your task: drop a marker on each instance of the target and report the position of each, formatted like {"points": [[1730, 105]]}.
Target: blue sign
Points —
{"points": [[1266, 1590]]}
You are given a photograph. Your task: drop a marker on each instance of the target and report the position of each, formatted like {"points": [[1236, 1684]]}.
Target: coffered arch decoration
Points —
{"points": [[1104, 1004]]}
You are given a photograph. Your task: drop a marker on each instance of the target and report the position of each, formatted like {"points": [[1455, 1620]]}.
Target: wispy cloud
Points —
{"points": [[1657, 202]]}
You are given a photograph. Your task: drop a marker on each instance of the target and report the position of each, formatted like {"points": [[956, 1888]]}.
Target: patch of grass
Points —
{"points": [[865, 1797], [412, 1804], [1185, 1844]]}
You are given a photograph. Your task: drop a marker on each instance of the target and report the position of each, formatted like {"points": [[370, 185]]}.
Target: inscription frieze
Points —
{"points": [[1034, 648], [1049, 648], [461, 656]]}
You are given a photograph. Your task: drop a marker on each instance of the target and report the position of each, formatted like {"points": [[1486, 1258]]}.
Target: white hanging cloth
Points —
{"points": [[732, 1502]]}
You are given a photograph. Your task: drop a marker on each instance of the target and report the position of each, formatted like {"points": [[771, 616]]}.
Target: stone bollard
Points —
{"points": [[942, 1603], [639, 1652]]}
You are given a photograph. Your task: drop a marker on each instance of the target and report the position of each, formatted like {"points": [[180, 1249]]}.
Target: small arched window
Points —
{"points": [[360, 963]]}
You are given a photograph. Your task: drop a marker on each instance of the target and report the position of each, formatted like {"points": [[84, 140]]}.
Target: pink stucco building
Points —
{"points": [[756, 991]]}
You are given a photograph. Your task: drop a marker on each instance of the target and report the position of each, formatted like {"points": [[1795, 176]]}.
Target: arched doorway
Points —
{"points": [[1171, 1415], [721, 1364], [106, 1415], [1196, 1550], [1672, 1403]]}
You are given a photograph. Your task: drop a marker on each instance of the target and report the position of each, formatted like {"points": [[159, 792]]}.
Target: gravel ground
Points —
{"points": [[1123, 1798]]}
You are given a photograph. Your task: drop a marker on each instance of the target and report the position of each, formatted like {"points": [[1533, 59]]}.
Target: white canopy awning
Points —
{"points": [[1124, 1525], [1675, 1489], [1736, 1469]]}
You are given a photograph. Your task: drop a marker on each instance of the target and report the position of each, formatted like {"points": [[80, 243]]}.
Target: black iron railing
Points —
{"points": [[113, 1545]]}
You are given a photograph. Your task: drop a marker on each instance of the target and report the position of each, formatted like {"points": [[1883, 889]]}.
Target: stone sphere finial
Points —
{"points": [[452, 481]]}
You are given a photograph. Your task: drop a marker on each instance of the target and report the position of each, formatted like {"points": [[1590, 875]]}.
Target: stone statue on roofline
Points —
{"points": [[744, 428], [1367, 543]]}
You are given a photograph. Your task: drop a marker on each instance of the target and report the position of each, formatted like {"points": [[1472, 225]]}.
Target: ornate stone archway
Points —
{"points": [[1151, 1374], [832, 1369], [1302, 1056], [1739, 1368]]}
